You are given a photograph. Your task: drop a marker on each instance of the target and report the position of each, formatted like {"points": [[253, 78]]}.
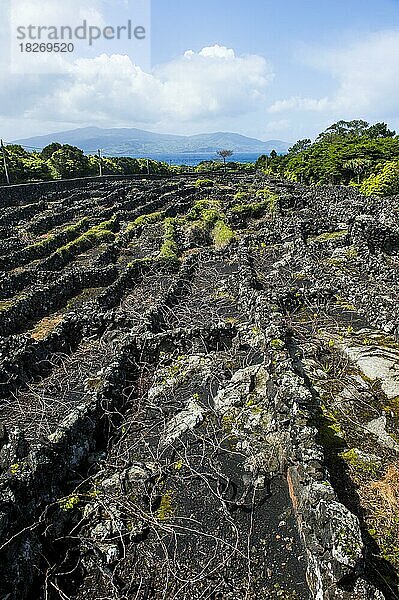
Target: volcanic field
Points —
{"points": [[199, 391]]}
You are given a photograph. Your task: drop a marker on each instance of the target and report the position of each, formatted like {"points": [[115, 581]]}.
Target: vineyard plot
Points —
{"points": [[199, 388]]}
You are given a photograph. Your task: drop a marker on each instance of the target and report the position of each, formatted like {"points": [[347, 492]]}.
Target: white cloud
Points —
{"points": [[212, 52], [300, 103], [198, 85], [56, 12], [367, 75], [273, 128]]}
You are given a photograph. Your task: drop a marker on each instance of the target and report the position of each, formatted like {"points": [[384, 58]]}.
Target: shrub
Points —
{"points": [[169, 249], [242, 196], [210, 214], [147, 219], [208, 211], [200, 183], [222, 234], [384, 183], [94, 235], [255, 209]]}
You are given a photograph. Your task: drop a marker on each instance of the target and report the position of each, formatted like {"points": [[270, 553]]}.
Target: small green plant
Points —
{"points": [[344, 304], [222, 234], [326, 368], [231, 320], [277, 344], [361, 461], [69, 503], [165, 510], [332, 235], [268, 198], [94, 493], [352, 252], [208, 211], [5, 304], [169, 250], [242, 196], [93, 236], [330, 433], [147, 219], [68, 233], [201, 183], [256, 209], [299, 276], [228, 422]]}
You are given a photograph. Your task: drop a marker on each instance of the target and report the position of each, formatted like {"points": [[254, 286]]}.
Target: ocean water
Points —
{"points": [[193, 159]]}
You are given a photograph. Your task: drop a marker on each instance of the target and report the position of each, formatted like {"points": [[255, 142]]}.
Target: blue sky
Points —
{"points": [[276, 30], [268, 69]]}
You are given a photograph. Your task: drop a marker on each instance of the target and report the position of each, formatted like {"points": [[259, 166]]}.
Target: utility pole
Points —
{"points": [[5, 163], [100, 162], [148, 166]]}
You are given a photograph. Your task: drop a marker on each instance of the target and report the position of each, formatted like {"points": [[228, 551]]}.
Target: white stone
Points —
{"points": [[187, 419], [379, 363], [378, 428]]}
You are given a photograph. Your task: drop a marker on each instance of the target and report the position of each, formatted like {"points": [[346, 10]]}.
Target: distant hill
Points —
{"points": [[133, 142]]}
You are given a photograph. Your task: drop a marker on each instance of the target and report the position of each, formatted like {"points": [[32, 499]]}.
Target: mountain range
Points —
{"points": [[137, 142]]}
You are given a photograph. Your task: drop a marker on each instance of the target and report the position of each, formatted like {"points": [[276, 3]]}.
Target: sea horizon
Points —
{"points": [[194, 158]]}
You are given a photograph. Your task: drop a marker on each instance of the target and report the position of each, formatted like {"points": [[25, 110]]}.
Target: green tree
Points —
{"points": [[127, 165], [330, 159], [49, 150], [300, 146], [24, 166], [354, 128], [36, 169], [379, 130], [110, 166], [357, 166], [69, 162]]}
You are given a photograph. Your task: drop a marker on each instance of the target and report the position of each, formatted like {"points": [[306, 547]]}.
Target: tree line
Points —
{"points": [[57, 161], [347, 153]]}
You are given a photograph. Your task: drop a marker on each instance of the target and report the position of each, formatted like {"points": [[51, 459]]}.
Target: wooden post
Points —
{"points": [[101, 164], [5, 163]]}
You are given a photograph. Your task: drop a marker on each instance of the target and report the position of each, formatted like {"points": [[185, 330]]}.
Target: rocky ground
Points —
{"points": [[199, 391]]}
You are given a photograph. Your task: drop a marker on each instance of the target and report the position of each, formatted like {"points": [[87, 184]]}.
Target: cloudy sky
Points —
{"points": [[264, 68]]}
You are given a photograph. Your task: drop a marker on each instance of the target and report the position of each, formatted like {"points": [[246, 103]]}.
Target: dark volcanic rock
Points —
{"points": [[199, 391]]}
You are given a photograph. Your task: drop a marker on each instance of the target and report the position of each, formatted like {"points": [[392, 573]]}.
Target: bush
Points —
{"points": [[169, 250], [208, 211], [268, 203], [147, 219], [93, 236], [242, 196], [384, 183], [222, 234], [200, 183]]}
